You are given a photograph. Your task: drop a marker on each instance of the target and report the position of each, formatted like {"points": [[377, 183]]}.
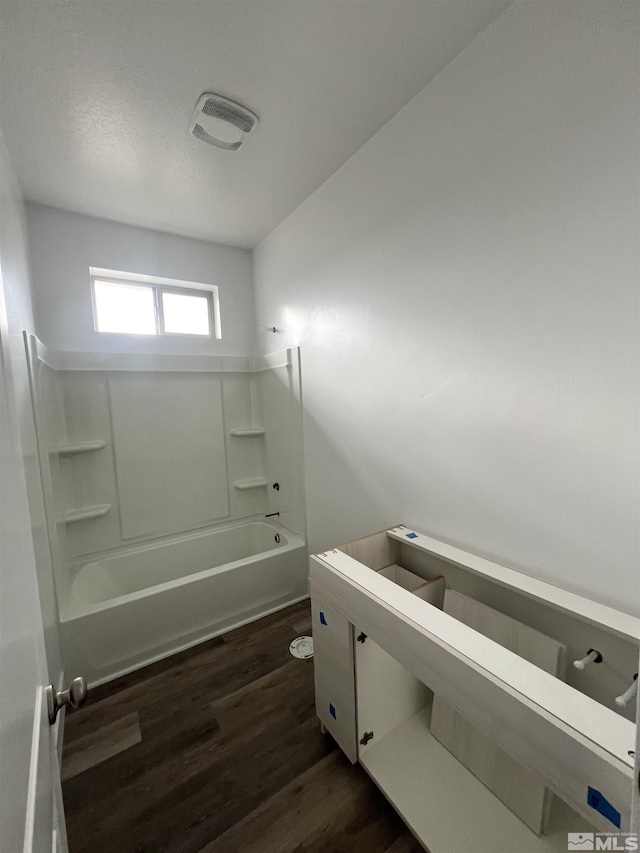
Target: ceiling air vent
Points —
{"points": [[221, 122]]}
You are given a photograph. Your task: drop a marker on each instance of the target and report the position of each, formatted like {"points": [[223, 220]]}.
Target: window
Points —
{"points": [[133, 304]]}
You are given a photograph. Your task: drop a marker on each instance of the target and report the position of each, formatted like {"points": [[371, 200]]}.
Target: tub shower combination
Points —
{"points": [[156, 512], [124, 611]]}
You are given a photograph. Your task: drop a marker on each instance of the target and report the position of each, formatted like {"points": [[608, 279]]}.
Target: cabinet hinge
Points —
{"points": [[361, 637], [366, 737]]}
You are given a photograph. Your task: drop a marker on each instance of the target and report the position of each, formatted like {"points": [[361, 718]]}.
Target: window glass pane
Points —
{"points": [[185, 314], [124, 308]]}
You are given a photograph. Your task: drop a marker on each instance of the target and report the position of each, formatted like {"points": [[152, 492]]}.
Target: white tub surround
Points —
{"points": [[142, 454]]}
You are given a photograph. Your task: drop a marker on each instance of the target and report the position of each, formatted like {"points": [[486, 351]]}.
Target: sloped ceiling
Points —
{"points": [[96, 99]]}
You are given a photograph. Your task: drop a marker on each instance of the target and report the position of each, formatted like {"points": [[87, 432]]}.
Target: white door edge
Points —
{"points": [[33, 773]]}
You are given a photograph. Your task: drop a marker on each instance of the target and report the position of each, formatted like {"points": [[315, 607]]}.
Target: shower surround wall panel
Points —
{"points": [[169, 449], [105, 476], [136, 450], [51, 433]]}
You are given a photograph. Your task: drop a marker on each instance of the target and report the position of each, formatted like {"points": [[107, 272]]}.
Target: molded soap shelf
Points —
{"points": [[250, 483], [80, 447], [86, 512]]}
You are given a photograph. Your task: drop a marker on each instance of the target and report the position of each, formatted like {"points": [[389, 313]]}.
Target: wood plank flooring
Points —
{"points": [[218, 750]]}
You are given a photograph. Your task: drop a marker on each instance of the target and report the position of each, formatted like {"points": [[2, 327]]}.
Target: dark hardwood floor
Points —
{"points": [[218, 750]]}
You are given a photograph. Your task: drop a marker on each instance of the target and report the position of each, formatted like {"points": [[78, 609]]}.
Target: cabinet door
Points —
{"points": [[334, 674], [388, 695]]}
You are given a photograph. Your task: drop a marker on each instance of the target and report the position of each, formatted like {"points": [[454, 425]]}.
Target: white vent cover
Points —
{"points": [[221, 122]]}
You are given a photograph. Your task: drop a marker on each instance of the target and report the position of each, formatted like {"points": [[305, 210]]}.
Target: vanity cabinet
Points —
{"points": [[384, 648]]}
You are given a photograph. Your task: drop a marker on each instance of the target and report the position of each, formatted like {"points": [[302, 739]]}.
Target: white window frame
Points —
{"points": [[159, 286]]}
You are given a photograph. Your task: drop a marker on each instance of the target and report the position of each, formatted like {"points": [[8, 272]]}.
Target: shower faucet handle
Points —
{"points": [[75, 696]]}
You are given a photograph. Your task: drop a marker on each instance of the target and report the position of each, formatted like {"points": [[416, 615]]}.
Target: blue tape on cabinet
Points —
{"points": [[332, 711], [411, 535], [600, 803], [323, 620]]}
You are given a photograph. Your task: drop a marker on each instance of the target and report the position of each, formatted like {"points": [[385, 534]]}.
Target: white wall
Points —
{"points": [[22, 655], [14, 267], [465, 293], [63, 247]]}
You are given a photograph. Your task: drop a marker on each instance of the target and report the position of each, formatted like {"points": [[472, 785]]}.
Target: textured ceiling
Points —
{"points": [[96, 97]]}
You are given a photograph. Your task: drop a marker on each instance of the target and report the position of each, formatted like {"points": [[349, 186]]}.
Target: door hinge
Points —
{"points": [[362, 637], [366, 737]]}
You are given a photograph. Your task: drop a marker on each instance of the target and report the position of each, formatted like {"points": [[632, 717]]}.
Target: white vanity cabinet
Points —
{"points": [[384, 647]]}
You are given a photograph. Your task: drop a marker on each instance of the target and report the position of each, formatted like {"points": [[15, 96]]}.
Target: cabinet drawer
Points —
{"points": [[331, 631]]}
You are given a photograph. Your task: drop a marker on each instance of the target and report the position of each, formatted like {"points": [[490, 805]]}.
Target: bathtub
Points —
{"points": [[146, 602]]}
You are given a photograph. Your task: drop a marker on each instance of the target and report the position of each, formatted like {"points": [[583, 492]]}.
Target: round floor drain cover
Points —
{"points": [[302, 647]]}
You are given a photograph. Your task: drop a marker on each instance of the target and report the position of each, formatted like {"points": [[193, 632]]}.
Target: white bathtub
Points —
{"points": [[149, 601]]}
